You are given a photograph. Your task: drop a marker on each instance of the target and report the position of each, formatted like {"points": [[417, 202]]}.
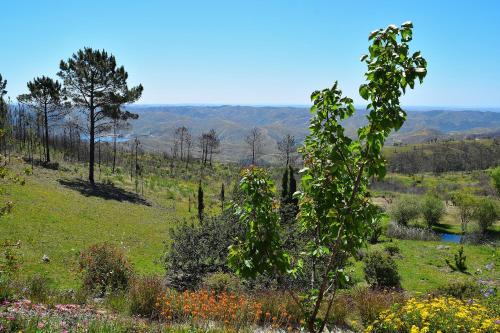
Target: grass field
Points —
{"points": [[56, 215], [422, 266]]}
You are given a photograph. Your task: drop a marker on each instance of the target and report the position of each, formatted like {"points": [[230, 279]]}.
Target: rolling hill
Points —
{"points": [[156, 125]]}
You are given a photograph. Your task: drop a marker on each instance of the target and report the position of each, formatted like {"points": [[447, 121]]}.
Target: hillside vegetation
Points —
{"points": [[140, 225]]}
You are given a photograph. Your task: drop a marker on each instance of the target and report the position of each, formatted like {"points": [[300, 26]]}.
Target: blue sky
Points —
{"points": [[255, 52]]}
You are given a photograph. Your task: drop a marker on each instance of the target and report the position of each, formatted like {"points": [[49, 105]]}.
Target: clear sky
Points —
{"points": [[255, 51]]}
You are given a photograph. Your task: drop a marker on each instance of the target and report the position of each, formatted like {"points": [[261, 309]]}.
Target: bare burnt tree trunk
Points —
{"points": [[46, 120]]}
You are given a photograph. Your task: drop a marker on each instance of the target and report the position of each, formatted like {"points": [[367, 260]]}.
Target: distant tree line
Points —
{"points": [[441, 157]]}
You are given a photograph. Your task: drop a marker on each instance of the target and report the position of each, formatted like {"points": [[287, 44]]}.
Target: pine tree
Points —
{"points": [[46, 98], [3, 105], [4, 110], [201, 205], [96, 85]]}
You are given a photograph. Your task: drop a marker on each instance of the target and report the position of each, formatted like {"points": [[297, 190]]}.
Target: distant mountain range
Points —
{"points": [[156, 125]]}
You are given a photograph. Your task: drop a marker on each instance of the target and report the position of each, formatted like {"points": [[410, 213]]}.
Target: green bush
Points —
{"points": [[9, 256], [466, 202], [104, 268], [375, 232], [222, 282], [495, 179], [432, 210], [143, 295], [37, 288], [6, 292], [485, 214], [460, 289], [459, 261], [404, 210], [201, 249], [392, 249], [381, 271]]}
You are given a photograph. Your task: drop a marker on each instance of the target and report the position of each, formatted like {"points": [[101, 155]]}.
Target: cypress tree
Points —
{"points": [[201, 205], [284, 187], [222, 197], [292, 188]]}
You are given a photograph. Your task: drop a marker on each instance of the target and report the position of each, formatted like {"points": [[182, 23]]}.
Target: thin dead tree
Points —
{"points": [[254, 141], [287, 147]]}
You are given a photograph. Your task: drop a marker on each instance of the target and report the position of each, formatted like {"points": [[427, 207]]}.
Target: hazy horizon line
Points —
{"points": [[414, 107]]}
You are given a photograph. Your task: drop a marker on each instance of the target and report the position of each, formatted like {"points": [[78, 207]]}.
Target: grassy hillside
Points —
{"points": [[57, 214], [422, 265]]}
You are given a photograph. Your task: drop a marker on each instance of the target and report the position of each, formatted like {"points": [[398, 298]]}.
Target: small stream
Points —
{"points": [[451, 238]]}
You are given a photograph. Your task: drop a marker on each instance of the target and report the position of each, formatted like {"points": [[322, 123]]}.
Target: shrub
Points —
{"points": [[120, 178], [143, 295], [459, 259], [465, 201], [399, 231], [375, 231], [460, 289], [37, 288], [370, 303], [392, 249], [486, 213], [6, 292], [198, 250], [104, 268], [440, 314], [108, 181], [381, 271], [404, 210], [220, 282], [9, 266], [432, 210], [9, 257], [495, 178]]}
